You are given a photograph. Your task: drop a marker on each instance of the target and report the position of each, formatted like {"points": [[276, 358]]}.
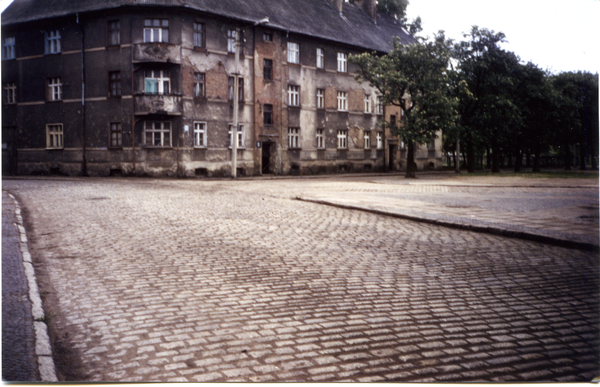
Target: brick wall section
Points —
{"points": [[356, 100], [216, 83], [331, 97]]}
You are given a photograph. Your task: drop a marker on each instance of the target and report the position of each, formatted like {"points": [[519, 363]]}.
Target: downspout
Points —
{"points": [[84, 171], [132, 100]]}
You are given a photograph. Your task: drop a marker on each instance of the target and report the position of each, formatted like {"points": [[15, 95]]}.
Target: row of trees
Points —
{"points": [[484, 98]]}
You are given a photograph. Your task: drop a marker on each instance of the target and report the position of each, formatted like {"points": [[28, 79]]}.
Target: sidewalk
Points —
{"points": [[563, 212]]}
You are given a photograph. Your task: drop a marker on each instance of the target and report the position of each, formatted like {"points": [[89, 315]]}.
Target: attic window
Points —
{"points": [[268, 37]]}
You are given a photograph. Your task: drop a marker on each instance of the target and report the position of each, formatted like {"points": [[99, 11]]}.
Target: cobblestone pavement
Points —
{"points": [[19, 362], [166, 280]]}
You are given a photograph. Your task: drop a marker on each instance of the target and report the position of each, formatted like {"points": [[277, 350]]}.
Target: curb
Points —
{"points": [[43, 349], [470, 227]]}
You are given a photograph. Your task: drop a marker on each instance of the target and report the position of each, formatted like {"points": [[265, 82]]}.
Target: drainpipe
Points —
{"points": [[132, 103], [84, 171]]}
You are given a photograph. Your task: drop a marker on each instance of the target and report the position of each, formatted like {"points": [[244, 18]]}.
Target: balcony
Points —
{"points": [[156, 52], [158, 104]]}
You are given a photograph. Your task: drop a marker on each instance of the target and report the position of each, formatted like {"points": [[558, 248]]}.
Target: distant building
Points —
{"points": [[152, 91]]}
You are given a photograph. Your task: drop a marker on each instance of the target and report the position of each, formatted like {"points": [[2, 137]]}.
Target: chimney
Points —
{"points": [[369, 7], [338, 4]]}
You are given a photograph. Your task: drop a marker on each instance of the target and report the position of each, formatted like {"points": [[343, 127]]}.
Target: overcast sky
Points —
{"points": [[555, 35]]}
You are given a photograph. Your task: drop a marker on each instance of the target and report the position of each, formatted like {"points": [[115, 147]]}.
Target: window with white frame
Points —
{"points": [[293, 138], [240, 136], [114, 33], [200, 134], [157, 133], [367, 137], [8, 48], [115, 135], [55, 89], [293, 95], [342, 62], [53, 42], [10, 93], [320, 98], [342, 139], [342, 99], [156, 30], [231, 41], [54, 136], [320, 139], [199, 90], [293, 52], [320, 58], [367, 103], [231, 88], [157, 82], [199, 35], [379, 107], [379, 140]]}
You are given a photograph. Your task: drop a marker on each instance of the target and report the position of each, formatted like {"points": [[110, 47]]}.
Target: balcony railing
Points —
{"points": [[156, 52], [158, 104]]}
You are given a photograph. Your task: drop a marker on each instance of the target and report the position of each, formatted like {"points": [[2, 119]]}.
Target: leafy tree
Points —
{"points": [[414, 77], [395, 8]]}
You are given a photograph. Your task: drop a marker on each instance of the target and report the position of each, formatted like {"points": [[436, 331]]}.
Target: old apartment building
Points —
{"points": [[146, 87]]}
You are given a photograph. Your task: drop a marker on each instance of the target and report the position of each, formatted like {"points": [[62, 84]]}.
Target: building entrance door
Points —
{"points": [[9, 151], [392, 161], [267, 150]]}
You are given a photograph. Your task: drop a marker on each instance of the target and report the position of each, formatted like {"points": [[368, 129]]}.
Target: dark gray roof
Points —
{"points": [[318, 18]]}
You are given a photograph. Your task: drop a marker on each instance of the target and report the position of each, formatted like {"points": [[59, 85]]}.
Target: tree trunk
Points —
{"points": [[536, 160], [470, 157], [568, 156], [411, 166]]}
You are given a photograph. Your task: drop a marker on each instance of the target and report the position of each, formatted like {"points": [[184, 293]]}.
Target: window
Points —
{"points": [[157, 82], [379, 107], [393, 120], [231, 41], [320, 99], [156, 30], [293, 52], [199, 85], [293, 138], [54, 89], [158, 133], [54, 136], [379, 140], [114, 84], [268, 115], [342, 98], [199, 35], [240, 136], [367, 103], [320, 58], [200, 134], [268, 69], [116, 135], [431, 145], [10, 93], [293, 95], [267, 36], [342, 137], [53, 42], [8, 48], [114, 33], [230, 88], [367, 137], [342, 62], [320, 139]]}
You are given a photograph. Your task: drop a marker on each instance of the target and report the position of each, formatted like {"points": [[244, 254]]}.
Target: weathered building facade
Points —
{"points": [[146, 87]]}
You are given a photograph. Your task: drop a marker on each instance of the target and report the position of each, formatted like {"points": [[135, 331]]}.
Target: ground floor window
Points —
{"points": [[342, 137], [320, 139], [200, 134], [379, 140], [293, 137], [54, 136], [240, 136], [157, 133], [367, 137], [116, 135]]}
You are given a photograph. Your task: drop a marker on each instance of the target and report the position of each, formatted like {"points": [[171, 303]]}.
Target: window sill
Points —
{"points": [[55, 101], [115, 147], [113, 46], [53, 53], [201, 49], [200, 147], [294, 149], [54, 149], [5, 59], [294, 107], [156, 147], [342, 149], [239, 148], [200, 98], [114, 97]]}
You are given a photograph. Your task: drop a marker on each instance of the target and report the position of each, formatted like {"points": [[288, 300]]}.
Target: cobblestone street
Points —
{"points": [[207, 280]]}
